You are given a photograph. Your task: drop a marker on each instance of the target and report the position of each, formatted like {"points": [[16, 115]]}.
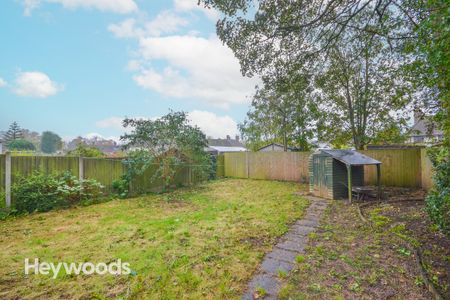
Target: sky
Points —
{"points": [[78, 67]]}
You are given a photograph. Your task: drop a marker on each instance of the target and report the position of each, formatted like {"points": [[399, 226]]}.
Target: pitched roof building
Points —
{"points": [[424, 130], [217, 146]]}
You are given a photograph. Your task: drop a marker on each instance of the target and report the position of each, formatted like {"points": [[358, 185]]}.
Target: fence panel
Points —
{"points": [[103, 170], [427, 170], [400, 167], [26, 165], [2, 174], [287, 166], [220, 167], [236, 164]]}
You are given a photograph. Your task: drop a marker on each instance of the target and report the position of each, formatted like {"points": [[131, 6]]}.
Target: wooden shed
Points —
{"points": [[334, 174]]}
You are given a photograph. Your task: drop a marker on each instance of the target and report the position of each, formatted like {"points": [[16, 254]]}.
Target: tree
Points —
{"points": [[169, 142], [268, 36], [20, 145], [362, 90], [83, 150], [14, 132], [282, 112], [265, 34], [50, 142]]}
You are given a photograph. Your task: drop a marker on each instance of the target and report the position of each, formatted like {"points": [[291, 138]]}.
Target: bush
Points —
{"points": [[37, 192], [438, 199], [121, 186], [20, 144], [40, 192], [74, 191]]}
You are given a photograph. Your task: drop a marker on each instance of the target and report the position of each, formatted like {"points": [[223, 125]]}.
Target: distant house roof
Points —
{"points": [[351, 157], [226, 149], [422, 127], [228, 142], [278, 145]]}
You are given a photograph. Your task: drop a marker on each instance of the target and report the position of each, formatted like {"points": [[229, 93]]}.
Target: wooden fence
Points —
{"points": [[287, 166], [104, 170], [402, 167]]}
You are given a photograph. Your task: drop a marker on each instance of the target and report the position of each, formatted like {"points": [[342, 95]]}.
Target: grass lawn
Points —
{"points": [[202, 242]]}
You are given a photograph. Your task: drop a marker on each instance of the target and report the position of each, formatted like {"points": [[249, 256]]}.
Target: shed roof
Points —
{"points": [[351, 157]]}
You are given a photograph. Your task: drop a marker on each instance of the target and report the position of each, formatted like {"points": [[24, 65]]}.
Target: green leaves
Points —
{"points": [[170, 143]]}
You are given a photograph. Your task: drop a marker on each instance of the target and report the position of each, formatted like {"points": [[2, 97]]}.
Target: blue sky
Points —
{"points": [[77, 67]]}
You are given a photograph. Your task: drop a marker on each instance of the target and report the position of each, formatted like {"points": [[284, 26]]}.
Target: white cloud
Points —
{"points": [[198, 68], [126, 29], [165, 22], [214, 125], [35, 84], [112, 122], [210, 123], [2, 82], [192, 5], [116, 6]]}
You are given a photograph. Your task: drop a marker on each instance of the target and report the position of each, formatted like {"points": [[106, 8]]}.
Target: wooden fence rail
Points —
{"points": [[402, 167], [104, 170]]}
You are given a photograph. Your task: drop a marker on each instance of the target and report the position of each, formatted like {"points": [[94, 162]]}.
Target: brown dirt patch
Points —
{"points": [[349, 259]]}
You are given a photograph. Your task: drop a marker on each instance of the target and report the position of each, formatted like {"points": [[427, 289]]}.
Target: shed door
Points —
{"points": [[320, 176]]}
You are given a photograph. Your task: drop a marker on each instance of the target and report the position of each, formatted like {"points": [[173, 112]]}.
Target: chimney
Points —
{"points": [[237, 138], [228, 137], [418, 115]]}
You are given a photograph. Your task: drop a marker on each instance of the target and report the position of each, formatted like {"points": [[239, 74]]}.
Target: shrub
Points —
{"points": [[40, 192], [438, 199], [36, 192], [121, 186], [74, 191], [21, 144]]}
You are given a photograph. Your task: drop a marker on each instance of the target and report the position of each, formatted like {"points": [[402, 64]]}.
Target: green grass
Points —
{"points": [[202, 242]]}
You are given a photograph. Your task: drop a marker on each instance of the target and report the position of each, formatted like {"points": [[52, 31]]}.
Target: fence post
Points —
{"points": [[247, 164], [80, 168], [8, 179]]}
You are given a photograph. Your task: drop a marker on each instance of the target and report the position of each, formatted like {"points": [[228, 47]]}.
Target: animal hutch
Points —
{"points": [[337, 174]]}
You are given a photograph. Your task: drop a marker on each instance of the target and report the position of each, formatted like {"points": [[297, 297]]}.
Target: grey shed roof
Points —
{"points": [[351, 157]]}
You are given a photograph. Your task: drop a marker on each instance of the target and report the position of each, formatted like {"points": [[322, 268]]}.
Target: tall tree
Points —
{"points": [[362, 90], [14, 132], [270, 35], [281, 112], [50, 142]]}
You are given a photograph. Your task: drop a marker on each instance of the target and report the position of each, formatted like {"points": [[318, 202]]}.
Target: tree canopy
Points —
{"points": [[169, 142], [21, 145], [357, 55], [14, 132], [50, 142], [83, 150]]}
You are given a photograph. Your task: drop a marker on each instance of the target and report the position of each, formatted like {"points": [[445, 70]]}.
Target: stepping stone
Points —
{"points": [[308, 223], [300, 230], [291, 246], [283, 255], [272, 266], [270, 284], [291, 236], [285, 251]]}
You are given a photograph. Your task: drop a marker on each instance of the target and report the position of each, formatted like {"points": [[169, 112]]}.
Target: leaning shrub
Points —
{"points": [[36, 192], [438, 199]]}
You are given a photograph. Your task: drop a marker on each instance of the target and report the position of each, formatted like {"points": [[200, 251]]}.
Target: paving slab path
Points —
{"points": [[282, 257]]}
